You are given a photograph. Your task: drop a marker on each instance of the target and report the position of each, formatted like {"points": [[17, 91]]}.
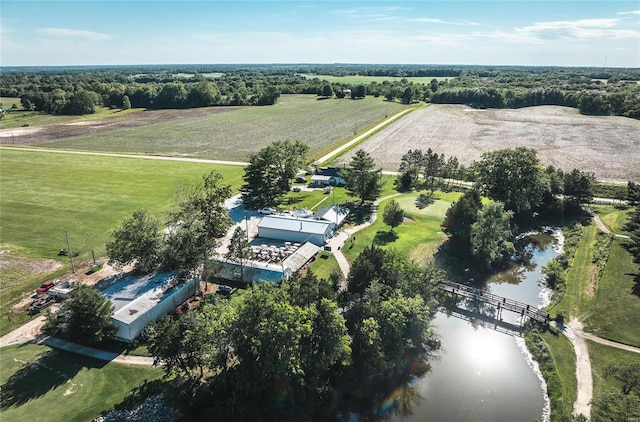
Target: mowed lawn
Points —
{"points": [[615, 314], [418, 237], [42, 384], [240, 131], [44, 194]]}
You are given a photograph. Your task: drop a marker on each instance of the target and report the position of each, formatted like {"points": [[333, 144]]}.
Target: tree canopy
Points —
{"points": [[88, 315], [270, 170], [491, 235], [138, 240], [393, 215], [514, 177], [363, 179]]}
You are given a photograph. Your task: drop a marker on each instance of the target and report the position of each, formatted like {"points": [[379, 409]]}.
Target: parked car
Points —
{"points": [[267, 211], [301, 179], [296, 189], [45, 287], [287, 213], [224, 290], [327, 189]]}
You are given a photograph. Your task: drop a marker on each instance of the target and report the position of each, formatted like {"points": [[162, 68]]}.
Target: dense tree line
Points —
{"points": [[289, 352], [593, 91]]}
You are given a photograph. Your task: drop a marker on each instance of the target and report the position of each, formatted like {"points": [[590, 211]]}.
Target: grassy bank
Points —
{"points": [[42, 384], [555, 356], [576, 297], [615, 312]]}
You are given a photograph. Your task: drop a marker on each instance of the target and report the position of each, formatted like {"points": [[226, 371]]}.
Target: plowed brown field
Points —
{"points": [[609, 147]]}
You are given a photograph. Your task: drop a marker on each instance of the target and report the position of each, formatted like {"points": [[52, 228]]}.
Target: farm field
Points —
{"points": [[230, 133], [609, 147]]}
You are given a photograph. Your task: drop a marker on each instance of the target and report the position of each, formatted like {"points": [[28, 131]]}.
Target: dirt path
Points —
{"points": [[337, 242], [23, 334], [603, 228], [574, 333], [359, 138], [143, 157]]}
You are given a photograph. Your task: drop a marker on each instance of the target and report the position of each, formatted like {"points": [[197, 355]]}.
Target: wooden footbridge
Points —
{"points": [[500, 302]]}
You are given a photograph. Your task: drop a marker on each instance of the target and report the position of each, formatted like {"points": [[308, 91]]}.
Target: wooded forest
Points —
{"points": [[78, 90]]}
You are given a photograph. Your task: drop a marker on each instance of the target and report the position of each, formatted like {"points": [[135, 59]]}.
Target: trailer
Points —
{"points": [[62, 290]]}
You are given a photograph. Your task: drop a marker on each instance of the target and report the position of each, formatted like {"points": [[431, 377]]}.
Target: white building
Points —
{"points": [[138, 301], [296, 230]]}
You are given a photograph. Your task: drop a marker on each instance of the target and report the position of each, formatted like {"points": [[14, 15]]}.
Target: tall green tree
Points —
{"points": [[327, 91], [126, 103], [363, 179], [633, 193], [491, 235], [136, 240], [88, 315], [411, 166], [199, 218], [205, 93], [204, 201], [393, 215], [578, 186], [176, 343], [514, 177], [461, 216], [239, 249], [270, 170]]}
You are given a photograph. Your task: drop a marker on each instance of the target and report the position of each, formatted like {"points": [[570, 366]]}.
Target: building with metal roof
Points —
{"points": [[297, 230], [137, 301]]}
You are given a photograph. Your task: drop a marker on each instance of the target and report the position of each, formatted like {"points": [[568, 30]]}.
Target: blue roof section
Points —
{"points": [[294, 225]]}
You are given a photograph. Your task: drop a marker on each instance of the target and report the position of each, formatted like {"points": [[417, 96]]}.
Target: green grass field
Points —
{"points": [[615, 314], [238, 132], [418, 236], [576, 299], [614, 218], [601, 356], [356, 79], [44, 194], [564, 361], [41, 384]]}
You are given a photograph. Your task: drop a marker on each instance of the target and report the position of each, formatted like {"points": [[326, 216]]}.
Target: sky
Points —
{"points": [[475, 32]]}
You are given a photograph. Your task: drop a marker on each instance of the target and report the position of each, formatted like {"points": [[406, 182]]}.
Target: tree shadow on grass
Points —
{"points": [[291, 200], [382, 238], [38, 377], [359, 213], [636, 287]]}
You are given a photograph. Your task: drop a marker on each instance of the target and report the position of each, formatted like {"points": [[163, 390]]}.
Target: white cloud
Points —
{"points": [[632, 12], [73, 33], [580, 29], [441, 22]]}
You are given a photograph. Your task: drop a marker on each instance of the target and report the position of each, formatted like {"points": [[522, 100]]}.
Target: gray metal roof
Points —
{"points": [[294, 225]]}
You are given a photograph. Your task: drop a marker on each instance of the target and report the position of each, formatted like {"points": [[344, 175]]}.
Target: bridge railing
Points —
{"points": [[495, 300]]}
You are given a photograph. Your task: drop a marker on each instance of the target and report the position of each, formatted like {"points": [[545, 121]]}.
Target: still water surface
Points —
{"points": [[482, 374]]}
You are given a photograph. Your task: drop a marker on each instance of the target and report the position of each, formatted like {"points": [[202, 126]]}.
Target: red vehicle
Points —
{"points": [[45, 287]]}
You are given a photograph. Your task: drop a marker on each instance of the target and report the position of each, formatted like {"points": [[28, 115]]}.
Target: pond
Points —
{"points": [[486, 375]]}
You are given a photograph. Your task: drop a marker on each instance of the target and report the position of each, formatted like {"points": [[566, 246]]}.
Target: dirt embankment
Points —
{"points": [[607, 146]]}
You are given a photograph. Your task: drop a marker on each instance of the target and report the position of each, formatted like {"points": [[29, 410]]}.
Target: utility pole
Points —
{"points": [[73, 268]]}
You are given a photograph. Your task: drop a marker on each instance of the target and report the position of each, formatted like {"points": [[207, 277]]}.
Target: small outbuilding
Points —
{"points": [[333, 213], [297, 230]]}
